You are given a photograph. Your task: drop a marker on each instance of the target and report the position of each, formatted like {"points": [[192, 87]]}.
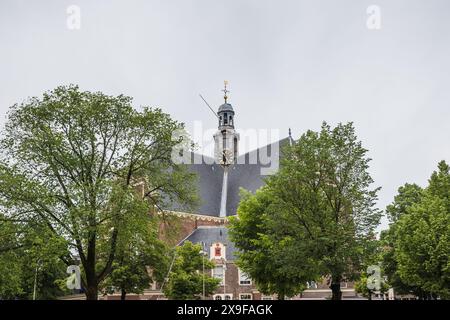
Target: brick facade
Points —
{"points": [[189, 223], [233, 287]]}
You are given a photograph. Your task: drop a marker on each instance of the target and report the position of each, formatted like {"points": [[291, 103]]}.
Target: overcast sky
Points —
{"points": [[289, 64]]}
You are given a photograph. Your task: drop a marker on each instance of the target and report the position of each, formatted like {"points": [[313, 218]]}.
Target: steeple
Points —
{"points": [[226, 141], [226, 112], [225, 91]]}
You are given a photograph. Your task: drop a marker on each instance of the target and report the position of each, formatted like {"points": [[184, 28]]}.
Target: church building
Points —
{"points": [[219, 182]]}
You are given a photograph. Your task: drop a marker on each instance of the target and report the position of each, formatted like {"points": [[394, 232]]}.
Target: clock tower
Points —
{"points": [[226, 141]]}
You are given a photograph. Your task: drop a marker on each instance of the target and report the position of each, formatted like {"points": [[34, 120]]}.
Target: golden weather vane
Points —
{"points": [[225, 90]]}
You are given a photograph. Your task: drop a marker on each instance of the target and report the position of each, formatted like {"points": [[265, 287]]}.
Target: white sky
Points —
{"points": [[289, 64]]}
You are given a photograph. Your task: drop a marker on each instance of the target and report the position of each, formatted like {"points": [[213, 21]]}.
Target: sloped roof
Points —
{"points": [[247, 173], [210, 235], [226, 107]]}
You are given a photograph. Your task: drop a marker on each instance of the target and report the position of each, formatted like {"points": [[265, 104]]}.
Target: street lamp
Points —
{"points": [[224, 278], [35, 279], [204, 254], [166, 278]]}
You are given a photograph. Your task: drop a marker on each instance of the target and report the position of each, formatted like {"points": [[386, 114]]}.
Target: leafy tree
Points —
{"points": [[423, 238], [141, 259], [267, 256], [423, 247], [361, 286], [29, 261], [417, 256], [321, 204], [408, 195], [10, 261], [390, 265], [186, 277], [72, 160], [373, 256]]}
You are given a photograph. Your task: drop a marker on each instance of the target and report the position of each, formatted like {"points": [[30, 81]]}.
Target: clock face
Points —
{"points": [[227, 157]]}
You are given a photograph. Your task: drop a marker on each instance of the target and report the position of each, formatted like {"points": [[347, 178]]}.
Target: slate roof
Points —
{"points": [[210, 235], [242, 174], [226, 107]]}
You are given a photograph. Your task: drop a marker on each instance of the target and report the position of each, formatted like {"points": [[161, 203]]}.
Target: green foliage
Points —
{"points": [[417, 250], [408, 195], [71, 162], [141, 258], [265, 255], [314, 217], [11, 275], [29, 253], [362, 288], [186, 277]]}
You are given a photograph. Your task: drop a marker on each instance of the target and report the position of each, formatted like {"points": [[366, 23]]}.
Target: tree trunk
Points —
{"points": [[92, 292], [123, 294], [91, 283], [89, 266], [335, 287]]}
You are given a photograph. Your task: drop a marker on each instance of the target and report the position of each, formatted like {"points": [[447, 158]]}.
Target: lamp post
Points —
{"points": [[204, 254], [166, 279], [224, 278], [35, 283], [35, 279]]}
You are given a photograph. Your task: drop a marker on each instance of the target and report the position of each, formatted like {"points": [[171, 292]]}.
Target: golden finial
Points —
{"points": [[225, 90]]}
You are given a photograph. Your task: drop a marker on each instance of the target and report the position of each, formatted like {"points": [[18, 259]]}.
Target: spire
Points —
{"points": [[225, 91], [290, 137], [226, 112]]}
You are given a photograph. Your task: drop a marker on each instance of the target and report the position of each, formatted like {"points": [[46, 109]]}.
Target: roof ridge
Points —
{"points": [[259, 148], [244, 154], [190, 234], [210, 227]]}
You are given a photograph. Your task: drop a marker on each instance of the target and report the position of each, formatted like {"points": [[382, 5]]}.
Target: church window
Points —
{"points": [[225, 118], [218, 273], [244, 279]]}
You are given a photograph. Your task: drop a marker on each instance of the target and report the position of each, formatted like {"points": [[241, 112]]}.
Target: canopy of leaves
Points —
{"points": [[186, 278], [140, 259], [417, 248], [314, 217], [268, 256], [72, 162], [29, 255]]}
